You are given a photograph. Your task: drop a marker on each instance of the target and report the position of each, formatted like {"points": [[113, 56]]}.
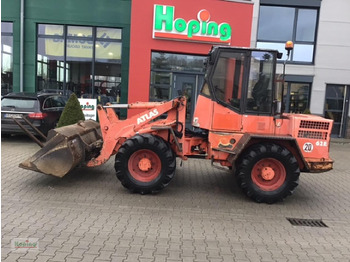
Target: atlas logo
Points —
{"points": [[148, 116]]}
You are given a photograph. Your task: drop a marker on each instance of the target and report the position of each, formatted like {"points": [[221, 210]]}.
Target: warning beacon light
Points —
{"points": [[289, 46]]}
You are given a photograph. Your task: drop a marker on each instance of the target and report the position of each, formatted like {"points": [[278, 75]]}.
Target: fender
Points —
{"points": [[289, 142]]}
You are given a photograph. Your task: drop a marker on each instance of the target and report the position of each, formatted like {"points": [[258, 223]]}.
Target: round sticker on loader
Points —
{"points": [[308, 147]]}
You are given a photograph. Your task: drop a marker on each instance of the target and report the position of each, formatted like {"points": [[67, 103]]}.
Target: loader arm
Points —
{"points": [[115, 131]]}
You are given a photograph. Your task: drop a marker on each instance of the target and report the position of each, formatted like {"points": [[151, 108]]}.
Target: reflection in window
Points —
{"points": [[108, 51], [272, 31], [19, 103], [6, 58], [299, 97], [54, 102], [306, 25], [80, 64], [336, 96], [164, 65], [274, 46], [178, 62], [296, 97], [228, 78], [280, 24], [53, 30], [88, 65], [259, 97], [108, 65], [80, 31], [303, 53], [108, 33], [160, 86], [50, 63]]}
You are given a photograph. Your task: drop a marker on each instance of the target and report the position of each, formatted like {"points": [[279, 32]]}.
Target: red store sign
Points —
{"points": [[182, 27]]}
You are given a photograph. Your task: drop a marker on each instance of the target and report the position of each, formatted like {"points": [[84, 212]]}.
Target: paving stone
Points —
{"points": [[201, 216], [41, 258]]}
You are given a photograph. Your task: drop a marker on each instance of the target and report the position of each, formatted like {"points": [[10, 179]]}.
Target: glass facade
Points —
{"points": [[6, 58], [81, 59], [296, 96], [164, 69], [279, 24], [336, 106], [174, 75]]}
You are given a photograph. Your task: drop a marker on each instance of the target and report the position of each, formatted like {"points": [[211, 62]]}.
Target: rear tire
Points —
{"points": [[145, 164], [268, 173]]}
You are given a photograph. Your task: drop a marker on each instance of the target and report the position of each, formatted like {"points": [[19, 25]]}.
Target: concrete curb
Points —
{"points": [[340, 140]]}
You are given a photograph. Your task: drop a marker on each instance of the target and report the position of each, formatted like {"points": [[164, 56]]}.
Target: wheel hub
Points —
{"points": [[145, 164], [267, 173]]}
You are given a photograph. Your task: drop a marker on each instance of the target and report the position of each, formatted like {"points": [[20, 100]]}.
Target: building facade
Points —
{"points": [[170, 40], [318, 72], [78, 46], [123, 51]]}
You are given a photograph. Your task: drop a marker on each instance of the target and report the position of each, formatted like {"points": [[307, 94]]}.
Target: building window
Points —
{"points": [[165, 67], [278, 24], [336, 107], [296, 93], [260, 85], [50, 57], [297, 97], [81, 59], [6, 57]]}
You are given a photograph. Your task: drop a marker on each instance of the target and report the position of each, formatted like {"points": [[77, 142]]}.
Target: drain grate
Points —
{"points": [[307, 222]]}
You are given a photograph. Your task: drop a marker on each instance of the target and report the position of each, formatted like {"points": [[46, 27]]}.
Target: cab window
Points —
{"points": [[228, 78], [259, 95]]}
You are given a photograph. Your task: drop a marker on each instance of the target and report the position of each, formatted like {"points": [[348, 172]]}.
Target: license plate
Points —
{"points": [[13, 115]]}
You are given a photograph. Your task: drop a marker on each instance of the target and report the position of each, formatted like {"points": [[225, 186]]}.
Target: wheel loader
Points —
{"points": [[237, 123]]}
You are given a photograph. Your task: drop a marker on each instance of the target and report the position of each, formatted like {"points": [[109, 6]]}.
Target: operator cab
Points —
{"points": [[241, 79]]}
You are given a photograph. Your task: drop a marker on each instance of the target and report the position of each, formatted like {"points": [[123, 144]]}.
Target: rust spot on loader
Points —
{"points": [[318, 167]]}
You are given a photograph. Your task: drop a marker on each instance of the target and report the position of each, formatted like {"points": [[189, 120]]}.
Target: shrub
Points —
{"points": [[72, 112], [307, 111]]}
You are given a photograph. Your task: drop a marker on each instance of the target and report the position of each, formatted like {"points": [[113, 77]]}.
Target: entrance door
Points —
{"points": [[187, 85], [336, 107]]}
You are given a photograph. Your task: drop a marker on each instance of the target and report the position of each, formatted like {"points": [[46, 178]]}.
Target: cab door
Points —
{"points": [[228, 81]]}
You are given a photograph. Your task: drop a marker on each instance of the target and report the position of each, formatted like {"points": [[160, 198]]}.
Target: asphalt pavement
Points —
{"points": [[201, 216]]}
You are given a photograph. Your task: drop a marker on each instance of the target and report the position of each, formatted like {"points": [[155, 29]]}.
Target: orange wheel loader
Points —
{"points": [[236, 123]]}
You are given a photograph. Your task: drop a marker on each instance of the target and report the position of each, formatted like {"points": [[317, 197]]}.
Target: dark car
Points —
{"points": [[42, 110]]}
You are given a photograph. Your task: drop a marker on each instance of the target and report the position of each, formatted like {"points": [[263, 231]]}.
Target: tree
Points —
{"points": [[72, 112]]}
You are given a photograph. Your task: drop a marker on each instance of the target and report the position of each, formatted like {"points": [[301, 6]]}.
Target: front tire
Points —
{"points": [[145, 164], [268, 173]]}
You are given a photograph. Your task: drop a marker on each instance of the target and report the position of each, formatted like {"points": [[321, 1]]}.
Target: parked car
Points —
{"points": [[43, 110]]}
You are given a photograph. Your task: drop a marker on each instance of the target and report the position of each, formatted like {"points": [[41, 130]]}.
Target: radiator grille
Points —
{"points": [[312, 134], [314, 125]]}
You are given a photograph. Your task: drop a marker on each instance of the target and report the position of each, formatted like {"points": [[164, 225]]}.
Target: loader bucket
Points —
{"points": [[66, 147]]}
